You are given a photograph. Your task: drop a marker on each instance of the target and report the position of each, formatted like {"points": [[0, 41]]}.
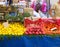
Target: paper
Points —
{"points": [[5, 24]]}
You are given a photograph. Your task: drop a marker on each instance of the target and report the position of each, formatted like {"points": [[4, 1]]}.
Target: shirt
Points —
{"points": [[40, 14], [36, 14], [56, 8]]}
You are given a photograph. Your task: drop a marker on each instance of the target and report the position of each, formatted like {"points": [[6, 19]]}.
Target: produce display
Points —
{"points": [[12, 29], [34, 29], [19, 17], [51, 27], [37, 27], [42, 26]]}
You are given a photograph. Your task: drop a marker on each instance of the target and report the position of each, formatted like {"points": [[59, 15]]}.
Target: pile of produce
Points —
{"points": [[51, 27], [44, 26], [34, 29], [19, 17], [12, 29]]}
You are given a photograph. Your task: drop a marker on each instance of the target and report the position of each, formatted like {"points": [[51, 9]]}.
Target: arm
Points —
{"points": [[50, 11]]}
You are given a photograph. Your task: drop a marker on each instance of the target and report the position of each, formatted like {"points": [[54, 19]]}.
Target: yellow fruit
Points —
{"points": [[14, 29]]}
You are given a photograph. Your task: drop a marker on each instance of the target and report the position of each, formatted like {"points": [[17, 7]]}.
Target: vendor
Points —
{"points": [[37, 12], [56, 8]]}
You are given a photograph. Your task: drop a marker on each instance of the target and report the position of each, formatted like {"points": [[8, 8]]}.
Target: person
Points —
{"points": [[56, 8], [44, 6], [9, 2], [33, 4], [37, 12]]}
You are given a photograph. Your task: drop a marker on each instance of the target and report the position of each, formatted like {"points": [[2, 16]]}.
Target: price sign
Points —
{"points": [[5, 24]]}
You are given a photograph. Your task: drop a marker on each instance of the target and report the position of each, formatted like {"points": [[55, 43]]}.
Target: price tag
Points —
{"points": [[5, 24], [53, 29]]}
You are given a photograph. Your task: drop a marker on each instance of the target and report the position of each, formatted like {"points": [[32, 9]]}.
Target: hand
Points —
{"points": [[54, 17]]}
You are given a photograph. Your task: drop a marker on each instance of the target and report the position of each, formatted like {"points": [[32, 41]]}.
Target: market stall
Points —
{"points": [[15, 35], [20, 28]]}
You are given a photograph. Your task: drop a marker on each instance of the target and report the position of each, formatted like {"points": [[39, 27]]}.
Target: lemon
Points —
{"points": [[14, 29]]}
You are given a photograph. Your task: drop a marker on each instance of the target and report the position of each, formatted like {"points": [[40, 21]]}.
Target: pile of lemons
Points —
{"points": [[12, 29]]}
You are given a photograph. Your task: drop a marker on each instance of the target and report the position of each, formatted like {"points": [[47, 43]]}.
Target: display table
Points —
{"points": [[26, 41], [23, 40]]}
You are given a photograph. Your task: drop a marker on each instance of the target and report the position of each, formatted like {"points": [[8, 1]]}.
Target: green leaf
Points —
{"points": [[26, 14]]}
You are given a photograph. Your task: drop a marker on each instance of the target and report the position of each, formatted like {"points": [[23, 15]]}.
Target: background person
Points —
{"points": [[56, 8], [37, 12]]}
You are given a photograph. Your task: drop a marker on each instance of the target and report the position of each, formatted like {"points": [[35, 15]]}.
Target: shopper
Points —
{"points": [[10, 2], [56, 8], [44, 7]]}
